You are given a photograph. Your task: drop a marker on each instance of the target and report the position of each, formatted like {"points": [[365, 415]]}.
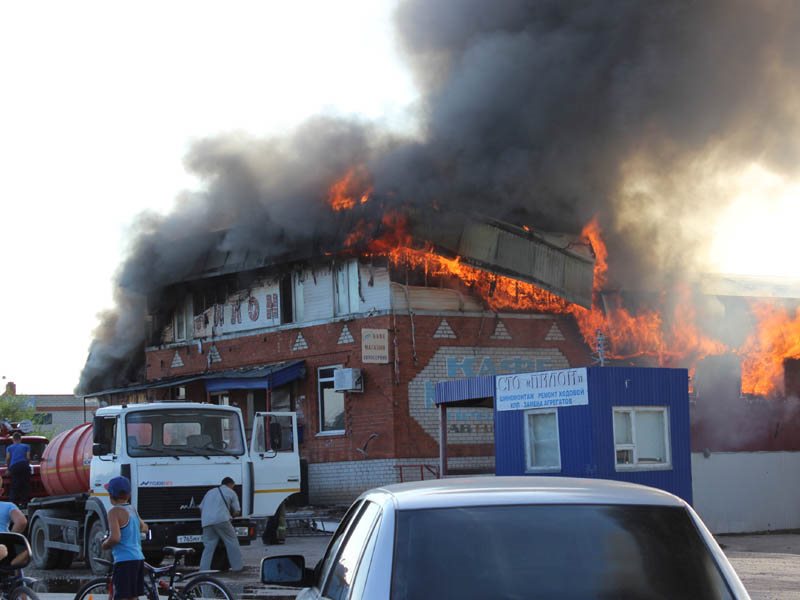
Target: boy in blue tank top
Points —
{"points": [[125, 542]]}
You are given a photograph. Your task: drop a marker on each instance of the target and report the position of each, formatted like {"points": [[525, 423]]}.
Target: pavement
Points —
{"points": [[768, 564]]}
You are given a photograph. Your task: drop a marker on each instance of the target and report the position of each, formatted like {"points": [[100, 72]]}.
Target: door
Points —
{"points": [[276, 461]]}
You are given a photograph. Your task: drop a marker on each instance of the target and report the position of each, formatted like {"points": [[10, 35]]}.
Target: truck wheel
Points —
{"points": [[94, 550], [43, 557]]}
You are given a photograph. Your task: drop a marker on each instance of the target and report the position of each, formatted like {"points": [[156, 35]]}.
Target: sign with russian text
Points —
{"points": [[545, 389], [375, 346]]}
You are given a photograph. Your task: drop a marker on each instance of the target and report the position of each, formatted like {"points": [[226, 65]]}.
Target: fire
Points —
{"points": [[665, 334], [341, 196], [775, 338]]}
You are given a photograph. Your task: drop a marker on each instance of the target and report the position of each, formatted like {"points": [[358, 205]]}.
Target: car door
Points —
{"points": [[276, 461], [343, 576]]}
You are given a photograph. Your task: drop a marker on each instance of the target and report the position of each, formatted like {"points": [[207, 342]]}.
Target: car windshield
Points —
{"points": [[553, 551], [183, 433]]}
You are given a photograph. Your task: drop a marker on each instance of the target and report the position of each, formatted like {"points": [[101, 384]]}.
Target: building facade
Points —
{"points": [[353, 315]]}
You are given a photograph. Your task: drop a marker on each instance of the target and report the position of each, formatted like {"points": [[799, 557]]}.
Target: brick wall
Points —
{"points": [[394, 421]]}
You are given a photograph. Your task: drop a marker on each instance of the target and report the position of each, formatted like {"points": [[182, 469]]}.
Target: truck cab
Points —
{"points": [[174, 453]]}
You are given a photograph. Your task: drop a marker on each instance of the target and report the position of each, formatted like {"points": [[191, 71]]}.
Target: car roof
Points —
{"points": [[490, 490]]}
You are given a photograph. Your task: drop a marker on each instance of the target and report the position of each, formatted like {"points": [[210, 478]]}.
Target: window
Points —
{"points": [[331, 403], [287, 299], [343, 570], [198, 432], [183, 319], [345, 281], [553, 551], [542, 447], [43, 418], [641, 437]]}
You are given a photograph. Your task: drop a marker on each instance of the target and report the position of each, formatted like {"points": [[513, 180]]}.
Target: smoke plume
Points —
{"points": [[544, 113]]}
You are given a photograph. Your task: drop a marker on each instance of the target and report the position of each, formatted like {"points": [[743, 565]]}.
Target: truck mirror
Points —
{"points": [[100, 449]]}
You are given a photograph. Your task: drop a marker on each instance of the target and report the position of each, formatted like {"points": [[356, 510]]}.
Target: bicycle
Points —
{"points": [[166, 580], [13, 583]]}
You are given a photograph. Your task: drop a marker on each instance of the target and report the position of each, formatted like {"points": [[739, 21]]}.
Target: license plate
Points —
{"points": [[190, 539], [242, 532]]}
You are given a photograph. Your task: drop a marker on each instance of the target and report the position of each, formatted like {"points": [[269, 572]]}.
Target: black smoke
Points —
{"points": [[540, 113]]}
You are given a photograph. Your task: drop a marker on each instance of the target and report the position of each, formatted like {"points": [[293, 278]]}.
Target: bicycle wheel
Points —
{"points": [[96, 589], [23, 592], [204, 586]]}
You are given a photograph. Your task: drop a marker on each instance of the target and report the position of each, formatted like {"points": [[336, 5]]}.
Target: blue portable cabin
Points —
{"points": [[623, 423]]}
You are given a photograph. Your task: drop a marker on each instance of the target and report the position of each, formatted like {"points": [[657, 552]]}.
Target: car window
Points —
{"points": [[569, 552], [342, 574], [336, 541]]}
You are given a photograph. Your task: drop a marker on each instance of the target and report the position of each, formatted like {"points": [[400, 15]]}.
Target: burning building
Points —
{"points": [[308, 253]]}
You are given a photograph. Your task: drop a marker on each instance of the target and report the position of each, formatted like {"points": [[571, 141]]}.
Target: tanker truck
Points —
{"points": [[173, 453]]}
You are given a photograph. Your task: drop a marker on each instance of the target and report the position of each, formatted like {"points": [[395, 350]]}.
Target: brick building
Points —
{"points": [[271, 336]]}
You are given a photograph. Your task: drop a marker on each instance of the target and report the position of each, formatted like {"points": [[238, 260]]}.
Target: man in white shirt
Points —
{"points": [[219, 506]]}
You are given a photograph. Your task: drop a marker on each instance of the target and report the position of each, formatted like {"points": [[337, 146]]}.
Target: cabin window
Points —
{"points": [[542, 446], [641, 437]]}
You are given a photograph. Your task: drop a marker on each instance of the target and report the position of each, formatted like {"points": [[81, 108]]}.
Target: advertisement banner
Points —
{"points": [[544, 389]]}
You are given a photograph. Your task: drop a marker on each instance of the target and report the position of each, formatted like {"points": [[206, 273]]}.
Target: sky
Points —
{"points": [[100, 102]]}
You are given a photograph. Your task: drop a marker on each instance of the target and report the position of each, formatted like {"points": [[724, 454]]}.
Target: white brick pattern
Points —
{"points": [[554, 335], [471, 425], [346, 337], [444, 331], [213, 354], [176, 361], [300, 343], [341, 482], [500, 332]]}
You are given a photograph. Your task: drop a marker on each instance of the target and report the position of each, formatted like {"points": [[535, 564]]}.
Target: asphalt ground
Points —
{"points": [[768, 564]]}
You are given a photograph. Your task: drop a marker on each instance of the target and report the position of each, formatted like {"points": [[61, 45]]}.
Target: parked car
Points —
{"points": [[515, 537]]}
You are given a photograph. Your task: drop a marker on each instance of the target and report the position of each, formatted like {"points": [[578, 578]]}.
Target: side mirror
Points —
{"points": [[99, 449], [285, 570]]}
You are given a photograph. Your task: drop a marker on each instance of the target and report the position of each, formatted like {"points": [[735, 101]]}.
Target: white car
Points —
{"points": [[515, 537]]}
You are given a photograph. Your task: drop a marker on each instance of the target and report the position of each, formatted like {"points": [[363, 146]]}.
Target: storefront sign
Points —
{"points": [[545, 389], [375, 346]]}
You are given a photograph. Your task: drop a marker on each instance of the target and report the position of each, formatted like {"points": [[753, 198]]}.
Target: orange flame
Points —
{"points": [[664, 336], [776, 338], [341, 196]]}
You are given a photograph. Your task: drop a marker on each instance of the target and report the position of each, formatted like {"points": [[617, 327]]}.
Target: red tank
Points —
{"points": [[66, 461]]}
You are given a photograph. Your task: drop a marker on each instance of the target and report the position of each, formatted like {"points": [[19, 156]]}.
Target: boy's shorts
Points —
{"points": [[128, 579]]}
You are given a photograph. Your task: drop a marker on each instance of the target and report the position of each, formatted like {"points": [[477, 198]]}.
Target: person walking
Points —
{"points": [[125, 541], [217, 509], [18, 456]]}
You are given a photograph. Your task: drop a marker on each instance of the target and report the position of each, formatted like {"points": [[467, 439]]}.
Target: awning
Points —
{"points": [[249, 378], [470, 392], [270, 376]]}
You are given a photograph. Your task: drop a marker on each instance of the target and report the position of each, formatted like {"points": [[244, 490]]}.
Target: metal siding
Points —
{"points": [[457, 390], [586, 433], [645, 387]]}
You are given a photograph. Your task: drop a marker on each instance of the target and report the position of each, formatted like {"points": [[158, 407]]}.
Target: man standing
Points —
{"points": [[219, 506], [18, 456]]}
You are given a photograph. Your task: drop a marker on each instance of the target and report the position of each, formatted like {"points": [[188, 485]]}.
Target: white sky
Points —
{"points": [[99, 103]]}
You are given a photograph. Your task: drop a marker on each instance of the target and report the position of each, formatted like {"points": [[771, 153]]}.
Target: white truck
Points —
{"points": [[173, 453]]}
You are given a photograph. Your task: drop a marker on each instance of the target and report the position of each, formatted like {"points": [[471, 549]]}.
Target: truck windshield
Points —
{"points": [[553, 551], [184, 433]]}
